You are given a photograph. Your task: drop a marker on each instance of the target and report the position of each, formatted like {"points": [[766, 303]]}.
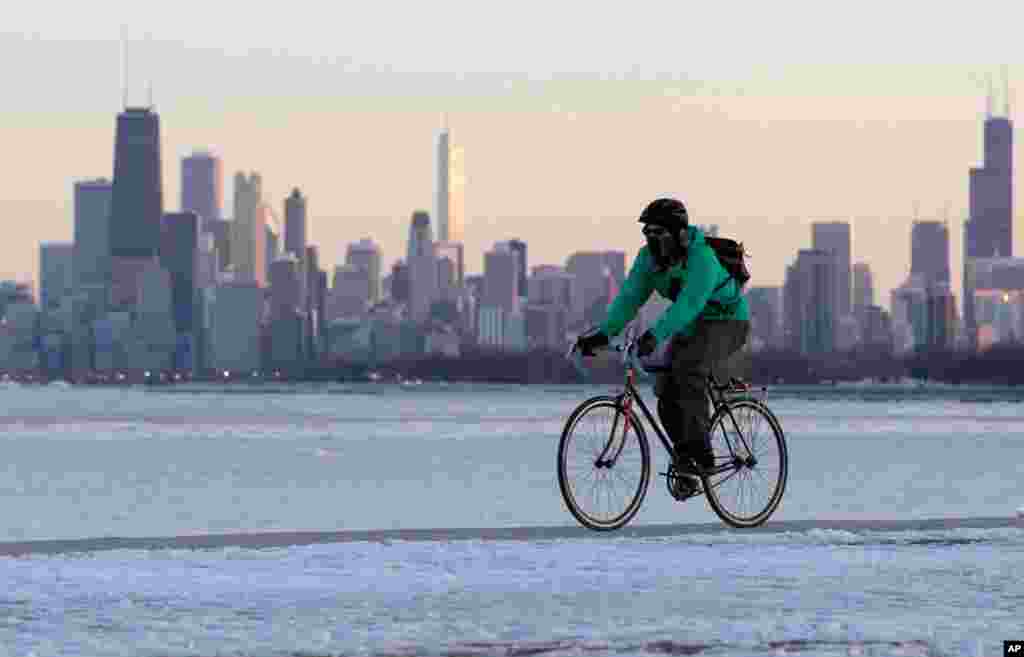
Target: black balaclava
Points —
{"points": [[670, 214], [669, 248]]}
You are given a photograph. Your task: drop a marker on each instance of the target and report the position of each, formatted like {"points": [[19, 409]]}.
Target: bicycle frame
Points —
{"points": [[715, 393]]}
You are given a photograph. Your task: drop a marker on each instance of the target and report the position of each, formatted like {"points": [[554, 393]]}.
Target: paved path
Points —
{"points": [[285, 539]]}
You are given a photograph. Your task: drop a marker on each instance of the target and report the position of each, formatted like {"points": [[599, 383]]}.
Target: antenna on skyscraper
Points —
{"points": [[988, 97], [149, 71], [123, 54], [1006, 90]]}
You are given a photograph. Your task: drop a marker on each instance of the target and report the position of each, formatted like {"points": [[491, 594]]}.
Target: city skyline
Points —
{"points": [[743, 149]]}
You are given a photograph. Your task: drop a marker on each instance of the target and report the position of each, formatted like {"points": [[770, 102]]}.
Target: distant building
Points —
{"points": [[273, 242], [551, 285], [179, 255], [295, 224], [236, 327], [56, 273], [349, 296], [863, 288], [876, 329], [220, 230], [988, 231], [501, 278], [400, 282], [491, 326], [592, 271], [452, 268], [422, 264], [18, 330], [519, 248], [449, 189], [366, 254], [809, 300], [834, 236], [929, 251], [92, 232], [202, 187], [421, 237], [765, 305], [547, 326], [248, 236], [285, 286], [137, 191]]}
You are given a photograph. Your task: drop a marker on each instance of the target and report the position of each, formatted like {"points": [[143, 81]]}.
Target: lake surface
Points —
{"points": [[845, 570]]}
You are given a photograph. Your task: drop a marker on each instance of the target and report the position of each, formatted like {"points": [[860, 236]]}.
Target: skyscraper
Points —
{"points": [[451, 261], [863, 289], [249, 230], [137, 194], [202, 187], [592, 270], [449, 189], [501, 278], [178, 255], [422, 263], [834, 236], [421, 237], [519, 247], [809, 301], [366, 254], [929, 251], [988, 231], [92, 232], [765, 315], [56, 273], [295, 224]]}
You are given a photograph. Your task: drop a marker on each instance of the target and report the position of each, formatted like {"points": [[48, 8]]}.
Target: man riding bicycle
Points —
{"points": [[707, 323]]}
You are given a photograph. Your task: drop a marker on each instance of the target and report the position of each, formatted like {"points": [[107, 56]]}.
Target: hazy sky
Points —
{"points": [[762, 117]]}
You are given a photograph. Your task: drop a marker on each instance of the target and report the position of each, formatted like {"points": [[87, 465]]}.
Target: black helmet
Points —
{"points": [[667, 212]]}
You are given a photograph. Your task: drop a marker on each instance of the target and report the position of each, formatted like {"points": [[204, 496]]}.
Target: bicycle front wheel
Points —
{"points": [[751, 463], [604, 464]]}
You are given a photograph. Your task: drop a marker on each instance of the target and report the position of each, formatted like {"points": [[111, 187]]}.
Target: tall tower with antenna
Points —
{"points": [[988, 231], [136, 206]]}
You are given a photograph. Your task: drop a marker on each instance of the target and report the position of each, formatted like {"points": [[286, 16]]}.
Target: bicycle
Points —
{"points": [[739, 456]]}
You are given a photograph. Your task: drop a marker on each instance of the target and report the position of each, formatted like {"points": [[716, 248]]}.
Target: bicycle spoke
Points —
{"points": [[605, 496], [746, 494]]}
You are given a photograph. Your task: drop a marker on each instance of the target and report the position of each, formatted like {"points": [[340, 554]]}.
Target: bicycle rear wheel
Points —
{"points": [[603, 469], [751, 463]]}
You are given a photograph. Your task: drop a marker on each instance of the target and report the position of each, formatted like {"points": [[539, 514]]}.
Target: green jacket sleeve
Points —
{"points": [[635, 291], [701, 270]]}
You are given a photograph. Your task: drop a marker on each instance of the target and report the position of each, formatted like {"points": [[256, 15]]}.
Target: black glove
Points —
{"points": [[646, 344], [588, 343]]}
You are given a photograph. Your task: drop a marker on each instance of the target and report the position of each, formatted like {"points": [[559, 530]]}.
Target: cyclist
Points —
{"points": [[707, 322]]}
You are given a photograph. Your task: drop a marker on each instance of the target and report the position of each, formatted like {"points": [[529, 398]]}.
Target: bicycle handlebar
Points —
{"points": [[627, 347]]}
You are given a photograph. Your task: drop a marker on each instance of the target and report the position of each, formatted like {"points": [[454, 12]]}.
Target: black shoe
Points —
{"points": [[684, 486], [704, 457]]}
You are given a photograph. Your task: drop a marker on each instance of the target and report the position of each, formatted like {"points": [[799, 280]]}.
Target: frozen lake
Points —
{"points": [[843, 571]]}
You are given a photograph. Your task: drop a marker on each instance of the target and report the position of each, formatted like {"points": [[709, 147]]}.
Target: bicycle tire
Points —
{"points": [[716, 483], [569, 495]]}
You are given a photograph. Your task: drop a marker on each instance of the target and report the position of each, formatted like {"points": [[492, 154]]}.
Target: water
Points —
{"points": [[87, 463]]}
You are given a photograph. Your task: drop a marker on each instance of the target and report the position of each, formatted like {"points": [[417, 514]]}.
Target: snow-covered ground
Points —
{"points": [[949, 592], [86, 463]]}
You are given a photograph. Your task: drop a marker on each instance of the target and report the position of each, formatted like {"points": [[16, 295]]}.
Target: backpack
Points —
{"points": [[732, 257]]}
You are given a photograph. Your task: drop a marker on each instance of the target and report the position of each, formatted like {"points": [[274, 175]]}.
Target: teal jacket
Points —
{"points": [[697, 282]]}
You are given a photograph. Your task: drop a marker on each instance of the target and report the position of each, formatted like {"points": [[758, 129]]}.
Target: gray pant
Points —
{"points": [[682, 404]]}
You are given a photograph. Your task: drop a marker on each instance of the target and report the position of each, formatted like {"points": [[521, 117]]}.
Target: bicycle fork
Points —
{"points": [[626, 414]]}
